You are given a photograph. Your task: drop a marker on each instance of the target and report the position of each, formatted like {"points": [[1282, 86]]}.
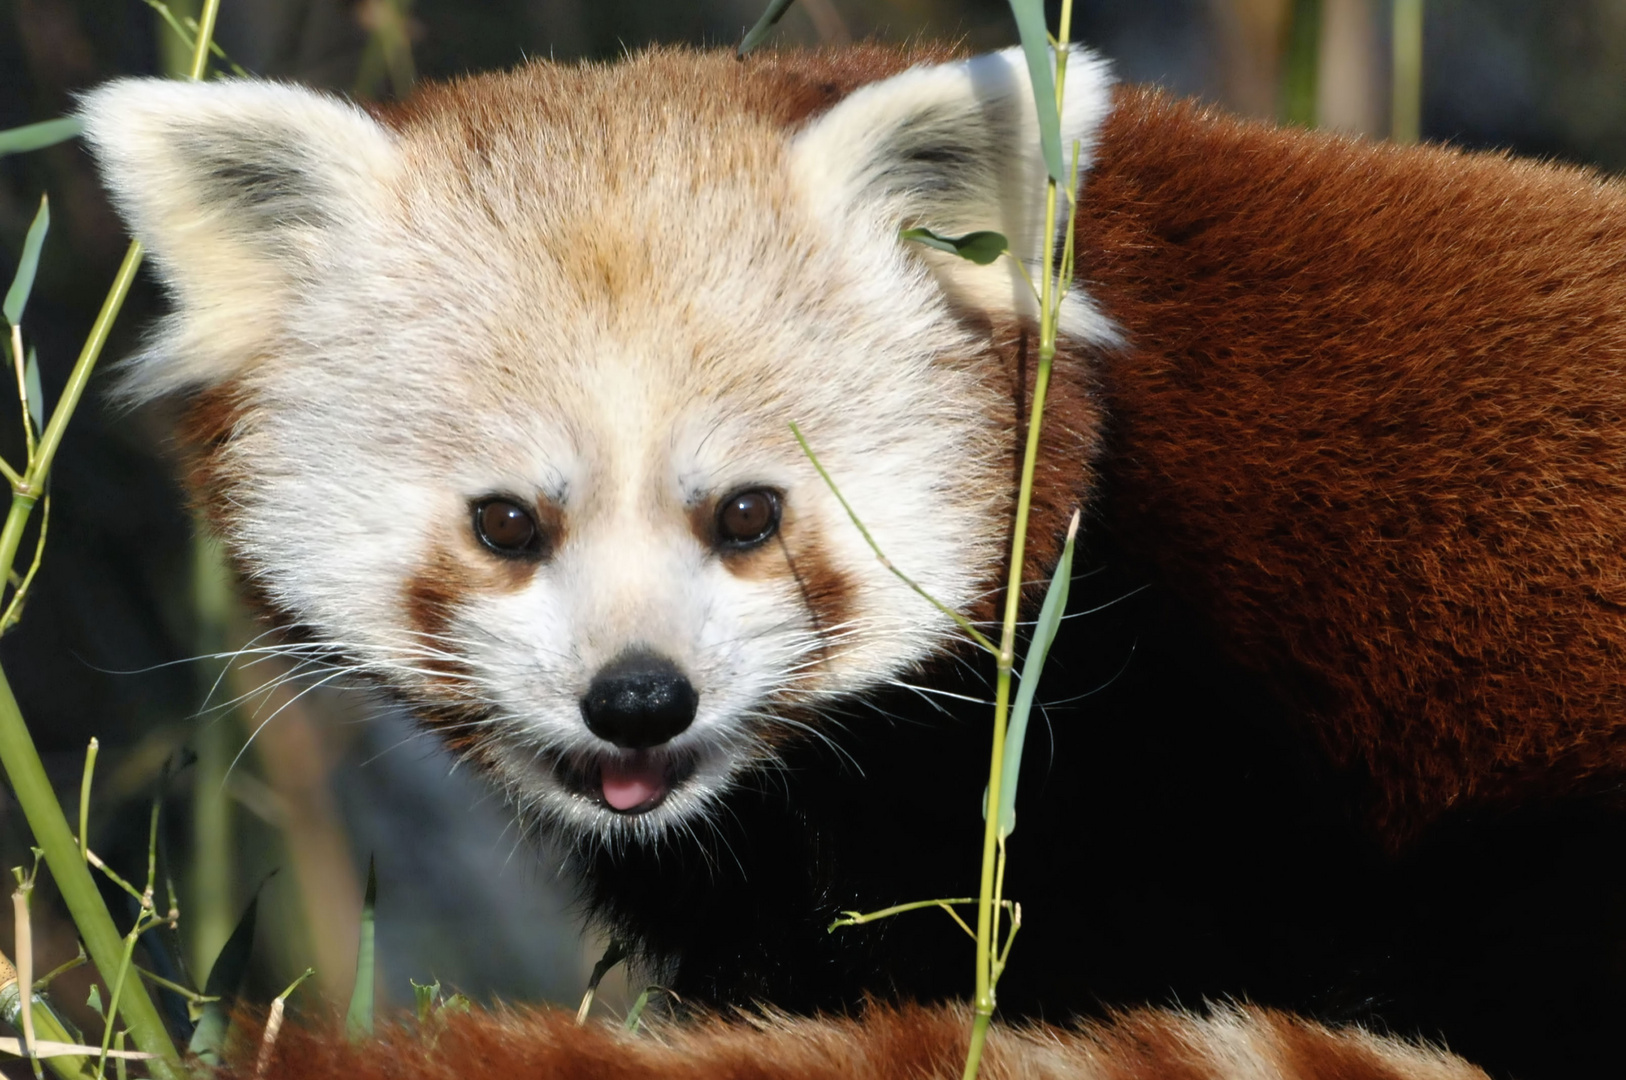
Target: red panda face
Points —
{"points": [[494, 401]]}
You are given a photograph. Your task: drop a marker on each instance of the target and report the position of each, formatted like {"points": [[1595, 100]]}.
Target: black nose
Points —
{"points": [[639, 700]]}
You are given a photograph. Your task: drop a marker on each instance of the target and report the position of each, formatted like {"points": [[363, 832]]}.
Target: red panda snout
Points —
{"points": [[639, 700]]}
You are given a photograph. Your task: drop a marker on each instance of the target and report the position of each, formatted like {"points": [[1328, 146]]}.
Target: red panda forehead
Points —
{"points": [[585, 137], [781, 88]]}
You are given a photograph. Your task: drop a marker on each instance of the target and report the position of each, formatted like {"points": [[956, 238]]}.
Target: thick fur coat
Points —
{"points": [[906, 1044], [1346, 421]]}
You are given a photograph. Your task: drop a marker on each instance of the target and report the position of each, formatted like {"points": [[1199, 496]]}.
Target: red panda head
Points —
{"points": [[491, 395]]}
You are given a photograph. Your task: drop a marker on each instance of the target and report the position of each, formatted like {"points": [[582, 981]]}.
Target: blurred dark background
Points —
{"points": [[127, 593]]}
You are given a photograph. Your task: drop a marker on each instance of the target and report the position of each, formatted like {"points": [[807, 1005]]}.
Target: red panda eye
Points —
{"points": [[747, 518], [506, 527]]}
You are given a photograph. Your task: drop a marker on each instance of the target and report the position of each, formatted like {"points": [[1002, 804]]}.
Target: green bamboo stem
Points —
{"points": [[979, 1037], [1406, 103], [1300, 64], [102, 940], [16, 520], [40, 466], [47, 1026], [858, 918], [18, 754], [989, 898], [125, 978]]}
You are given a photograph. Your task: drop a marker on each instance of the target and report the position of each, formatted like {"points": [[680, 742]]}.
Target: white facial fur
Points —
{"points": [[614, 312]]}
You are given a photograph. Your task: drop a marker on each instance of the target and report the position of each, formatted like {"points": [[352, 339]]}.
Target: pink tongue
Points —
{"points": [[631, 784]]}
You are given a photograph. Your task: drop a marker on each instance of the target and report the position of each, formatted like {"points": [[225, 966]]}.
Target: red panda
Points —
{"points": [[489, 393]]}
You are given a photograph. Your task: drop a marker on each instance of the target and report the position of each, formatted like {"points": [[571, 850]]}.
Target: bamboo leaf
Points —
{"points": [[757, 34], [27, 263], [36, 395], [981, 248], [223, 984], [425, 996], [1044, 634], [1030, 26], [358, 1021], [20, 140]]}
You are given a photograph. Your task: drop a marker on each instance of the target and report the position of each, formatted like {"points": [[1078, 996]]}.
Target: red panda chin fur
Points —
{"points": [[1227, 1043]]}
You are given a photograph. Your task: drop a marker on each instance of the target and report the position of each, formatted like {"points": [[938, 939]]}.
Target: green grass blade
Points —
{"points": [[636, 1013], [224, 981], [1044, 634], [1030, 25], [757, 34], [358, 1021], [20, 140], [981, 248], [27, 264]]}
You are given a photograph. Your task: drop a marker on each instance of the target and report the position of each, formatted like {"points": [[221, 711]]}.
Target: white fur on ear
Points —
{"points": [[241, 191], [955, 148]]}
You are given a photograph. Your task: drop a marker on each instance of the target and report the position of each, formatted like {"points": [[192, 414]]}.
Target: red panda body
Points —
{"points": [[514, 363], [1370, 422]]}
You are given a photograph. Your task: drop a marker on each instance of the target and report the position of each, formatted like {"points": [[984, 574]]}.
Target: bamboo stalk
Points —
{"points": [[46, 1024], [989, 896], [1406, 101], [102, 940], [18, 754]]}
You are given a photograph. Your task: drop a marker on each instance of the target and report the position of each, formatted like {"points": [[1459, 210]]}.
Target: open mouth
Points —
{"points": [[627, 781]]}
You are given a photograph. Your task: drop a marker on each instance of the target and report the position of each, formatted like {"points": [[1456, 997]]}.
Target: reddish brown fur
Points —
{"points": [[445, 579], [905, 1044], [798, 552], [207, 422], [1372, 420], [825, 590], [431, 595], [1070, 446], [1369, 421], [784, 88], [1360, 424], [450, 572]]}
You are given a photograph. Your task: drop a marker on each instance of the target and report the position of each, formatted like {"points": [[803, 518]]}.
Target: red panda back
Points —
{"points": [[1370, 420]]}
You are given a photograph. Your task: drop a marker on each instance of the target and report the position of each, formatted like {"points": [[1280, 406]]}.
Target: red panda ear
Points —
{"points": [[240, 190], [955, 148]]}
